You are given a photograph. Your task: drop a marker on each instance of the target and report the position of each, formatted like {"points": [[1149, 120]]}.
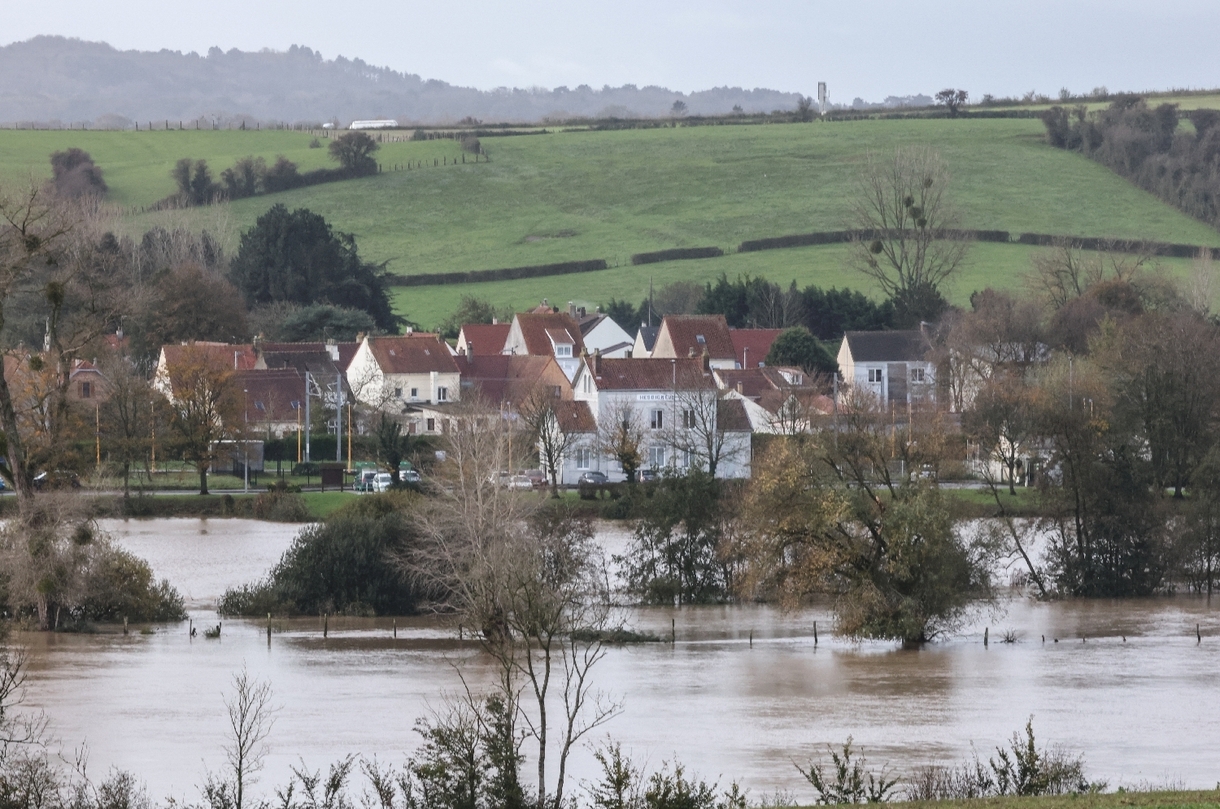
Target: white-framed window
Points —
{"points": [[584, 458], [588, 385], [442, 394], [414, 393], [657, 421], [917, 374], [563, 350], [688, 458], [656, 457], [688, 419], [874, 374], [86, 390], [430, 425]]}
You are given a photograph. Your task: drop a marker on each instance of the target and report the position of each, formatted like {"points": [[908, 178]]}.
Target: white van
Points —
{"points": [[382, 482]]}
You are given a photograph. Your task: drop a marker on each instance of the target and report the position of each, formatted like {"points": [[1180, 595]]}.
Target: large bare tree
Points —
{"points": [[525, 580], [908, 242]]}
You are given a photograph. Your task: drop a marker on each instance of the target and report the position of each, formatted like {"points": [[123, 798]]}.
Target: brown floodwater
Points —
{"points": [[1127, 684]]}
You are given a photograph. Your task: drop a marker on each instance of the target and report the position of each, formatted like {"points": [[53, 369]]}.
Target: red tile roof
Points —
{"points": [[750, 382], [534, 327], [487, 338], [268, 395], [418, 353], [575, 417], [684, 334], [508, 378], [757, 341], [238, 357], [649, 374], [346, 350]]}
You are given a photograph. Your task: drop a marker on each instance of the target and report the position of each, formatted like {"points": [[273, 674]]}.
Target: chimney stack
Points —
{"points": [[596, 362], [470, 352], [707, 361]]}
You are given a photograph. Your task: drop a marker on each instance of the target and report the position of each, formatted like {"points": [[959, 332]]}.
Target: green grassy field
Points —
{"points": [[583, 195], [1003, 266]]}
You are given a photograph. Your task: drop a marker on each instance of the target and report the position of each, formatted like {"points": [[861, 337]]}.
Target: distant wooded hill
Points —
{"points": [[54, 80]]}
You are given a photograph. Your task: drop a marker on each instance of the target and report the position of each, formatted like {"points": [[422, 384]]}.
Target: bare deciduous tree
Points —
{"points": [[250, 716], [622, 438], [910, 250], [538, 412], [526, 579]]}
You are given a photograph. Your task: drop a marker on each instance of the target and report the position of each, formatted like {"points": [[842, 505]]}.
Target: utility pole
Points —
{"points": [[307, 423], [245, 440]]}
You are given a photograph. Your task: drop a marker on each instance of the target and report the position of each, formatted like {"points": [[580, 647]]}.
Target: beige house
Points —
{"points": [[412, 369]]}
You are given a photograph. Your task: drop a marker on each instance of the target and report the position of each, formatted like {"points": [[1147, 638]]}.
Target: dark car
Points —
{"points": [[592, 478], [646, 475]]}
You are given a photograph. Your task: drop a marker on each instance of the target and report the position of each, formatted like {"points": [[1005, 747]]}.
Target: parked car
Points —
{"points": [[382, 482], [646, 475], [410, 476], [593, 478], [537, 477], [364, 480], [520, 483]]}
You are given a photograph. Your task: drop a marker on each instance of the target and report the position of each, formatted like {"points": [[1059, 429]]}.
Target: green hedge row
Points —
{"points": [[676, 254], [507, 274]]}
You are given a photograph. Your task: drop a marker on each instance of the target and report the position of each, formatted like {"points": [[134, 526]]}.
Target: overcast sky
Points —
{"points": [[866, 48]]}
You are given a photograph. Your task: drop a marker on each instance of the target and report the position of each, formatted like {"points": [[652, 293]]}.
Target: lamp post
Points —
{"points": [[245, 446]]}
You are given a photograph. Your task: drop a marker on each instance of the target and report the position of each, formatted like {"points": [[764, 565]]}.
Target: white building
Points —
{"points": [[670, 409], [895, 366], [547, 334]]}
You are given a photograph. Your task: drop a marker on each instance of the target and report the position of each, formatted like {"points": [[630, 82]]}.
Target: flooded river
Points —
{"points": [[1127, 683]]}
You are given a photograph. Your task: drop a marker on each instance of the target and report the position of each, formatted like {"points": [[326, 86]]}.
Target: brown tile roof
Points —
{"points": [[758, 341], [510, 378], [238, 357], [268, 395], [649, 374], [418, 353], [487, 338], [687, 333], [773, 400], [731, 416], [534, 327], [346, 350], [575, 417], [750, 382]]}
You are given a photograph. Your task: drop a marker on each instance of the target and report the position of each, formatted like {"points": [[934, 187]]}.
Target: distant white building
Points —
{"points": [[413, 369], [547, 334], [895, 366]]}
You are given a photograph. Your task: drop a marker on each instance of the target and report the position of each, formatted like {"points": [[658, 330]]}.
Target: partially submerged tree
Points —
{"points": [[848, 512], [526, 580]]}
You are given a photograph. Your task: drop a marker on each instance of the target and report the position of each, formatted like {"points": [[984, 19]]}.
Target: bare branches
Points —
{"points": [[901, 202], [251, 717]]}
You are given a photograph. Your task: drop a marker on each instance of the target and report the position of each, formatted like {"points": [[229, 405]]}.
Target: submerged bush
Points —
{"points": [[340, 565]]}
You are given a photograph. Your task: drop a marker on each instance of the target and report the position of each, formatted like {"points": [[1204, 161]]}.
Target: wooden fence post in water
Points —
{"points": [[1198, 635], [673, 632], [986, 633], [815, 634], [124, 624], [325, 624], [751, 638], [396, 627]]}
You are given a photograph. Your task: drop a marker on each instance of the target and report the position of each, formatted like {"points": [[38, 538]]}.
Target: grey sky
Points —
{"points": [[867, 48]]}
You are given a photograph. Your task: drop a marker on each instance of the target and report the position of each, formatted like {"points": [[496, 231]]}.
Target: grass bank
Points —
{"points": [[1203, 799], [577, 194], [317, 504]]}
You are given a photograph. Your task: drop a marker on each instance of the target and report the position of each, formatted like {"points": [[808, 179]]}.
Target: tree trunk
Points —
{"points": [[203, 479]]}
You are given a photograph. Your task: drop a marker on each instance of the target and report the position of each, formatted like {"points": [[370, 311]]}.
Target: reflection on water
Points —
{"points": [[1139, 708]]}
